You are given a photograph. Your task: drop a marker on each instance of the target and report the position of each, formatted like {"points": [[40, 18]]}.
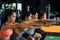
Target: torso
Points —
{"points": [[5, 35], [5, 32]]}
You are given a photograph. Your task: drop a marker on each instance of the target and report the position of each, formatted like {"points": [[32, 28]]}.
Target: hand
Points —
{"points": [[37, 35]]}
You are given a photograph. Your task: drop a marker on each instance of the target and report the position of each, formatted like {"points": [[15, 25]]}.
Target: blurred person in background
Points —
{"points": [[38, 33], [28, 4]]}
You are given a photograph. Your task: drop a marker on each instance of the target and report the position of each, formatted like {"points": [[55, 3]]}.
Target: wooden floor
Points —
{"points": [[52, 29]]}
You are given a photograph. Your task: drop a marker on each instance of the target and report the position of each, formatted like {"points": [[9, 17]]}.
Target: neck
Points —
{"points": [[27, 19], [10, 22]]}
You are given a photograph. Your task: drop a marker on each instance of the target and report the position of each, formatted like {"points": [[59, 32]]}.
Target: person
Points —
{"points": [[27, 34], [28, 3], [38, 33], [39, 30], [42, 15], [16, 33], [9, 24]]}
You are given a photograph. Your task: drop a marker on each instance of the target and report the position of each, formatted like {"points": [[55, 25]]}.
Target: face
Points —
{"points": [[29, 17], [12, 18], [44, 16], [35, 16]]}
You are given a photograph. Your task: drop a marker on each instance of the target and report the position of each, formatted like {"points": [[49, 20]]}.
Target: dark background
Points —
{"points": [[55, 4]]}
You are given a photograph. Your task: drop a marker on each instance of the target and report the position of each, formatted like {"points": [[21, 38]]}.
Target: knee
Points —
{"points": [[30, 38]]}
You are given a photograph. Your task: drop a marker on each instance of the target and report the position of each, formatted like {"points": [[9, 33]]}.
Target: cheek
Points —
{"points": [[14, 18], [11, 19], [30, 18], [36, 16]]}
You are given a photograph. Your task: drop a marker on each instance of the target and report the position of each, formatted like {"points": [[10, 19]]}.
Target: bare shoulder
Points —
{"points": [[8, 26], [3, 27]]}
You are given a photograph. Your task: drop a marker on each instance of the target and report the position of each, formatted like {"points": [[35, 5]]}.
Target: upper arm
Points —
{"points": [[3, 27]]}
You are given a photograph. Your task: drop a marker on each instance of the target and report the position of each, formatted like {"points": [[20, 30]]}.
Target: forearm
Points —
{"points": [[29, 26], [4, 27], [24, 25]]}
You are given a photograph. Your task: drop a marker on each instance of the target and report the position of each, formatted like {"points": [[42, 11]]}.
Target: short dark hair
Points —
{"points": [[42, 14], [25, 15]]}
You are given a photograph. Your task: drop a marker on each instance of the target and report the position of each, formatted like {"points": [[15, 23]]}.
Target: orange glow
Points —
{"points": [[52, 29]]}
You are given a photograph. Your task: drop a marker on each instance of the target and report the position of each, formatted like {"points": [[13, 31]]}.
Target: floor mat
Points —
{"points": [[52, 38]]}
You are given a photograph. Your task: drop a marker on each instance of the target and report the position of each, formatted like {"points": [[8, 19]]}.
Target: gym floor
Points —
{"points": [[52, 38], [53, 32]]}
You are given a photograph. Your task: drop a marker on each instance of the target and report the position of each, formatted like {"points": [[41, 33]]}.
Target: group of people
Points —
{"points": [[10, 29], [34, 6]]}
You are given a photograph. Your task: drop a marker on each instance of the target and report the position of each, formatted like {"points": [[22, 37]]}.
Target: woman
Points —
{"points": [[8, 24], [38, 34], [30, 34], [17, 33]]}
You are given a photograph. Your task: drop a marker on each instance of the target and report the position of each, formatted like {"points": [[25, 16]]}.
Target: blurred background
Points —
{"points": [[52, 8]]}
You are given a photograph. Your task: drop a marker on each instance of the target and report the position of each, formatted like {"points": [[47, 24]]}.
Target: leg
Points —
{"points": [[28, 34], [30, 38], [41, 32], [14, 36], [38, 36]]}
